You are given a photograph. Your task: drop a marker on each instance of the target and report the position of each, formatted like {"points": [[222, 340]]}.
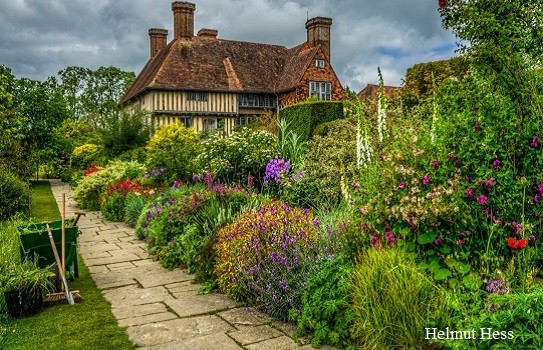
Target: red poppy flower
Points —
{"points": [[514, 244], [442, 3]]}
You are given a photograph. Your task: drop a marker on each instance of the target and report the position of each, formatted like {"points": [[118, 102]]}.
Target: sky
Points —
{"points": [[39, 38]]}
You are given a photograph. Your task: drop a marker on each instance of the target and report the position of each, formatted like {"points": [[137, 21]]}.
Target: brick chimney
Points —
{"points": [[158, 40], [183, 19], [318, 33], [208, 33]]}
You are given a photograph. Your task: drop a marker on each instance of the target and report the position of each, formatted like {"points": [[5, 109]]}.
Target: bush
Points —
{"points": [[393, 301], [519, 316], [174, 148], [84, 156], [90, 187], [327, 316], [113, 201], [266, 255], [305, 116], [330, 162], [13, 195], [134, 205], [238, 156]]}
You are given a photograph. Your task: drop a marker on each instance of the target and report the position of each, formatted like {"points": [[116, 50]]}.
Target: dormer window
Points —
{"points": [[319, 63]]}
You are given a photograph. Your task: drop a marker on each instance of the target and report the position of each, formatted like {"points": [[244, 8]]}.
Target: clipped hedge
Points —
{"points": [[305, 116]]}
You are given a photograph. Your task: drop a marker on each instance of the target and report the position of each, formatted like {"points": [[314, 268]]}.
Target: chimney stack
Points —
{"points": [[183, 19], [208, 33], [318, 33], [158, 39]]}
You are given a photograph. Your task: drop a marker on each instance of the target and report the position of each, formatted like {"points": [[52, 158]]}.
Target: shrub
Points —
{"points": [[238, 156], [134, 205], [393, 301], [90, 187], [113, 200], [265, 256], [518, 315], [305, 116], [330, 161], [327, 316], [174, 148], [84, 156], [13, 195]]}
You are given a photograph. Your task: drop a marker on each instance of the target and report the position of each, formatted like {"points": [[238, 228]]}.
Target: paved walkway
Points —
{"points": [[161, 309]]}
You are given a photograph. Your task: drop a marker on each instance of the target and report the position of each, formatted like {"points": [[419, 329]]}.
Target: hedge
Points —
{"points": [[304, 117]]}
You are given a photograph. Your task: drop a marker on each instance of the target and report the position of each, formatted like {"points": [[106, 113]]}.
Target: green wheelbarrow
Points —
{"points": [[36, 246]]}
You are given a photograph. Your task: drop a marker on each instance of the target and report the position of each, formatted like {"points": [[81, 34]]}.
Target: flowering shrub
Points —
{"points": [[265, 256], [91, 170], [89, 189], [83, 156], [275, 169], [174, 149], [112, 202], [236, 157]]}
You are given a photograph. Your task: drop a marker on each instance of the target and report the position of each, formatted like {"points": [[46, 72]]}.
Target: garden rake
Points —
{"points": [[69, 296]]}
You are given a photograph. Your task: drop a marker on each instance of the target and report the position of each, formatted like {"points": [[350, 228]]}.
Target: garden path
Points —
{"points": [[160, 308]]}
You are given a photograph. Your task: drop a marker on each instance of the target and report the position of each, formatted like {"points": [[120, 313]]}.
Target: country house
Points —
{"points": [[208, 83]]}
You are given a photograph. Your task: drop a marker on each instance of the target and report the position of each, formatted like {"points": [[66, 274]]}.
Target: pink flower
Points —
{"points": [[469, 192], [496, 164], [482, 199], [401, 185], [535, 142], [426, 179], [490, 182]]}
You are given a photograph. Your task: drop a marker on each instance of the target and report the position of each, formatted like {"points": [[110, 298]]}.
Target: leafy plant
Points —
{"points": [[113, 201], [175, 140], [13, 195], [134, 205], [393, 301], [327, 316]]}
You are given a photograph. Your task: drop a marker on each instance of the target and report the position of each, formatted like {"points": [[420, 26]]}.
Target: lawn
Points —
{"points": [[86, 325]]}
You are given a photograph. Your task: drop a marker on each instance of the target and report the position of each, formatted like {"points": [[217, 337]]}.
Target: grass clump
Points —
{"points": [[393, 301]]}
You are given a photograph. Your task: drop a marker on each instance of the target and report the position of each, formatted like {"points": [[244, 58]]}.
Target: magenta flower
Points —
{"points": [[426, 179], [482, 199], [490, 182], [496, 164], [535, 142], [532, 238], [469, 192], [435, 164], [375, 241], [401, 185]]}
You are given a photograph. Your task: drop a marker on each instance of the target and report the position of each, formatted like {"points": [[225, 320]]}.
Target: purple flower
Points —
{"points": [[438, 241], [498, 286], [482, 199], [316, 222], [283, 285], [517, 228], [435, 164], [196, 178], [532, 238], [490, 182], [537, 198], [469, 192], [535, 142], [426, 179], [274, 169], [496, 164], [375, 241]]}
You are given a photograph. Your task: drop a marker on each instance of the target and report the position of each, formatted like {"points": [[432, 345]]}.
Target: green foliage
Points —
{"points": [[330, 162], [134, 205], [123, 131], [90, 187], [518, 315], [174, 148], [393, 301], [305, 116], [421, 78], [235, 157], [86, 155], [327, 316], [13, 195], [291, 147]]}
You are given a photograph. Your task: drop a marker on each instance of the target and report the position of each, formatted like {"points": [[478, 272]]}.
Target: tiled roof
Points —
{"points": [[223, 65], [371, 91]]}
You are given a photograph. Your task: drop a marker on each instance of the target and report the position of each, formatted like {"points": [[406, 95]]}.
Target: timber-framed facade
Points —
{"points": [[209, 83]]}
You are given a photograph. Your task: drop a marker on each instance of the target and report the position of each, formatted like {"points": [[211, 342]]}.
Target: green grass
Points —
{"points": [[43, 206], [86, 325]]}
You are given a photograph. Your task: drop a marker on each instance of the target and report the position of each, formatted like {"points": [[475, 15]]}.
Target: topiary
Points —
{"points": [[13, 195]]}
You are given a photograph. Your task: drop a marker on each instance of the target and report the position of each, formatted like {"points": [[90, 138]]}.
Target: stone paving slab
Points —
{"points": [[162, 309], [176, 330], [219, 341]]}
